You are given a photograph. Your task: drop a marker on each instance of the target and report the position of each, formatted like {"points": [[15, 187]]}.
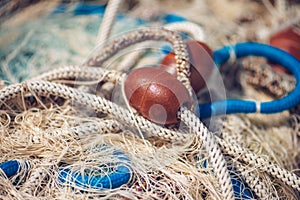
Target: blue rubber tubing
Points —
{"points": [[120, 176], [12, 167], [272, 54]]}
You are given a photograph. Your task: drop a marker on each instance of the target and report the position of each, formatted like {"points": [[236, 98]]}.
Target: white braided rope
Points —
{"points": [[146, 34], [86, 73], [216, 157], [134, 37], [219, 164], [95, 102], [255, 182], [189, 118], [10, 92], [194, 30], [261, 163], [103, 127], [108, 20]]}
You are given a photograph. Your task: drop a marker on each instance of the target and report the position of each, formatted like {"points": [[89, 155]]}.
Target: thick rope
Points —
{"points": [[104, 30], [248, 106], [262, 75], [145, 34], [216, 157], [108, 21], [103, 127], [76, 72], [194, 30], [188, 117], [94, 73], [97, 103], [261, 163], [257, 184]]}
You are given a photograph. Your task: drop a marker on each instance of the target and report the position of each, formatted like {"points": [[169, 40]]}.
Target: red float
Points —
{"points": [[156, 94], [289, 41], [201, 63]]}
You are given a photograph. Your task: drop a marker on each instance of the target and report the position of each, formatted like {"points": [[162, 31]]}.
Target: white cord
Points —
{"points": [[108, 20], [194, 30]]}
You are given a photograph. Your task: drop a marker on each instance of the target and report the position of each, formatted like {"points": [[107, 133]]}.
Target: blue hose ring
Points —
{"points": [[120, 176], [248, 106], [13, 167]]}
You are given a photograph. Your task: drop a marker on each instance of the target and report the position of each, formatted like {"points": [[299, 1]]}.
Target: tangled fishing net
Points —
{"points": [[61, 126]]}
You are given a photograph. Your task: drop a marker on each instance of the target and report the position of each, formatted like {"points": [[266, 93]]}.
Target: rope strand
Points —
{"points": [[213, 150]]}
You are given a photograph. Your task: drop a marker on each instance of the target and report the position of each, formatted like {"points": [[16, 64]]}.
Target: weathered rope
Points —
{"points": [[105, 28], [194, 30], [112, 126], [103, 127], [261, 75], [108, 21], [94, 73], [145, 34], [97, 103], [80, 73], [216, 157], [252, 178], [260, 163], [256, 183], [103, 105]]}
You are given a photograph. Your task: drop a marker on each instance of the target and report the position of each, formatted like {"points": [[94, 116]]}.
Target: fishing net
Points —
{"points": [[57, 138]]}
